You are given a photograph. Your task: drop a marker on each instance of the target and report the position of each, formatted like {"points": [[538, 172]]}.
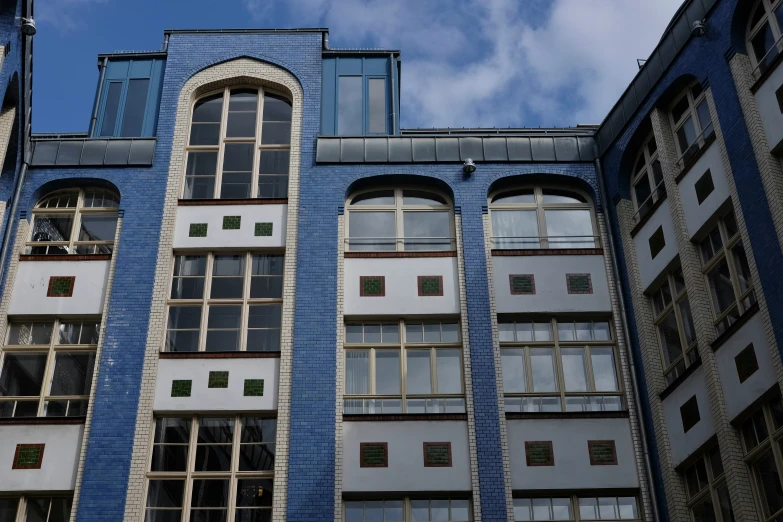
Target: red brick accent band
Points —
{"points": [[550, 252], [428, 464], [592, 443], [219, 355], [372, 255], [65, 257], [249, 201]]}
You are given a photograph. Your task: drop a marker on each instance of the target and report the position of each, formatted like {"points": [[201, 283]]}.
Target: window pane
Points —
{"points": [[565, 331], [273, 174], [378, 197], [22, 374], [26, 333], [513, 365], [607, 508], [705, 120], [679, 109], [584, 331], [588, 508], [237, 170], [569, 229], [8, 507], [725, 503], [449, 332], [98, 227], [670, 339], [741, 265], [37, 509], [522, 510], [628, 508], [704, 511], [768, 481], [374, 227], [349, 105], [542, 509], [515, 196], [263, 322], [242, 107], [200, 175], [542, 331], [448, 364], [542, 363], [223, 325], [372, 333], [52, 227], [357, 372], [515, 229], [762, 43], [111, 108], [433, 226], [213, 448], [686, 135], [642, 191], [209, 493], [189, 272], [421, 197], [72, 374], [266, 276], [183, 328], [387, 372], [418, 372], [254, 492], [135, 107], [601, 331], [561, 196], [574, 369], [228, 277], [561, 509], [460, 510], [721, 289], [165, 493], [376, 88], [276, 127], [604, 372]]}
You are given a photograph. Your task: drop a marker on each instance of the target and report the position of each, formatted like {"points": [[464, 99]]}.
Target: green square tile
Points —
{"points": [[27, 456], [198, 230], [263, 229], [218, 380], [254, 387], [232, 222], [430, 286], [372, 286], [181, 388], [522, 284], [59, 286]]}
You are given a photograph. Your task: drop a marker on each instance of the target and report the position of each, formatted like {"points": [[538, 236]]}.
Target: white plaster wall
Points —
{"points": [[697, 215], [650, 268], [58, 467], [218, 238], [771, 116], [32, 283], [216, 399], [572, 469], [406, 471], [550, 279], [684, 444], [739, 396], [402, 290]]}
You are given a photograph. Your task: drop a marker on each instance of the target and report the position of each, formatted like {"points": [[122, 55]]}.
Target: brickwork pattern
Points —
{"points": [[232, 222], [193, 69], [254, 388], [198, 230], [263, 229], [218, 380], [181, 387], [339, 370]]}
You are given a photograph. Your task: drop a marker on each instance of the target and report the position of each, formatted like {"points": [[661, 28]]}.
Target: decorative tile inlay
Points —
{"points": [[437, 454], [181, 388], [579, 284], [28, 456], [689, 413], [232, 222], [539, 453], [746, 362], [430, 285], [602, 452], [198, 230], [254, 388], [372, 286], [218, 380], [522, 284], [263, 229], [374, 454], [61, 286]]}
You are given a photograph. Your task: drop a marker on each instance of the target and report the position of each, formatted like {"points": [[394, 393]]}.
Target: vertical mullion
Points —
{"points": [[204, 304], [21, 509], [589, 368], [371, 370], [403, 366], [557, 360], [46, 383], [194, 425], [255, 175], [398, 219], [245, 316], [221, 143], [433, 371], [77, 220], [232, 483], [528, 370]]}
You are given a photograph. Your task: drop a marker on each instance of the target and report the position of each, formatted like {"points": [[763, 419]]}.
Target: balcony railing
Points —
{"points": [[545, 242], [393, 405], [658, 193], [403, 244], [554, 403], [696, 146], [768, 58]]}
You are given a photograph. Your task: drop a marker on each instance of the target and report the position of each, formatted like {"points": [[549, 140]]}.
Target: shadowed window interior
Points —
{"points": [[691, 123], [576, 508], [762, 435], [763, 34], [32, 508], [705, 485]]}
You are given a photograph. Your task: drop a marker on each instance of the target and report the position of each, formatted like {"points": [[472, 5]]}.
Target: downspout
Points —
{"points": [[627, 337], [94, 118], [165, 42], [393, 69], [25, 110]]}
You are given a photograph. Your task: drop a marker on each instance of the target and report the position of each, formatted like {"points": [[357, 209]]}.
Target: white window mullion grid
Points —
{"points": [[769, 17], [772, 442]]}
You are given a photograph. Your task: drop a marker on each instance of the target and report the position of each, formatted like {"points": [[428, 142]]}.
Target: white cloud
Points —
{"points": [[65, 15], [498, 62]]}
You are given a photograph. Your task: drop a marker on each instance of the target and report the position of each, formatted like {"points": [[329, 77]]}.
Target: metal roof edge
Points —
{"points": [[247, 31]]}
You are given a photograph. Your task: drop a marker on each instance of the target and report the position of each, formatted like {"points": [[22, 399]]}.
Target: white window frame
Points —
{"points": [[223, 139], [573, 503], [710, 490], [646, 159], [702, 134], [677, 295], [25, 499], [543, 241], [206, 301], [399, 209], [556, 345], [772, 442], [406, 504], [751, 32], [51, 349], [77, 211], [370, 400]]}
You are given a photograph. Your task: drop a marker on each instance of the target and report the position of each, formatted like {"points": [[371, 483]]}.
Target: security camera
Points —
{"points": [[469, 167], [699, 29], [28, 26]]}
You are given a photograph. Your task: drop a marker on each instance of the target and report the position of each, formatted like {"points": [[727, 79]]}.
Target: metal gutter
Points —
{"points": [[245, 31], [134, 54], [98, 92], [393, 81]]}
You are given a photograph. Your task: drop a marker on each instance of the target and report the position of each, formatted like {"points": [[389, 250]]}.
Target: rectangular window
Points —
{"points": [[349, 106], [674, 323], [727, 272], [197, 461], [574, 370], [419, 371], [46, 368], [403, 509], [111, 108], [29, 508], [576, 508], [705, 485], [762, 438], [376, 105], [135, 107], [225, 302]]}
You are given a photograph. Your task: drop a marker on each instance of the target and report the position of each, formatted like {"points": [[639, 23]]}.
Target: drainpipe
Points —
{"points": [[165, 42], [24, 108], [627, 337], [393, 70], [94, 118]]}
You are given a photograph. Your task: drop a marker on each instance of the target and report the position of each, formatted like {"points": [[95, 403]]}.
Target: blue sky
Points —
{"points": [[466, 63]]}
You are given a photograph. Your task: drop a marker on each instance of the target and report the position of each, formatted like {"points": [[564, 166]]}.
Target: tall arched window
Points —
{"points": [[764, 33], [74, 221], [647, 179], [691, 122], [539, 217], [399, 219], [235, 154]]}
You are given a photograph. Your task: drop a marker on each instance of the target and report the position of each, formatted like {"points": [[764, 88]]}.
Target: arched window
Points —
{"points": [[691, 122], [764, 33], [647, 179], [537, 217], [74, 221], [235, 154], [399, 219]]}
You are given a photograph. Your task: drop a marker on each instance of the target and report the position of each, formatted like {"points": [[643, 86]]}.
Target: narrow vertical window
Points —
{"points": [[111, 109], [135, 105], [349, 106], [376, 88]]}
